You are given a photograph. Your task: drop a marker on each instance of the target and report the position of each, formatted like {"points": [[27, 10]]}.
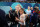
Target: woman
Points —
{"points": [[35, 17], [28, 11], [22, 18], [31, 24], [18, 7]]}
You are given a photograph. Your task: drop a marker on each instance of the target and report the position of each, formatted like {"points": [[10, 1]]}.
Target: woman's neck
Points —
{"points": [[22, 13], [28, 9]]}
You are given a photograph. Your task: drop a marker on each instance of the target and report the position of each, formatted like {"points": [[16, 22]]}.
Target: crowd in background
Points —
{"points": [[28, 1], [32, 17]]}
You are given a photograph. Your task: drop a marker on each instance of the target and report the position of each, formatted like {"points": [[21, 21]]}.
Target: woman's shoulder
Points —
{"points": [[24, 14]]}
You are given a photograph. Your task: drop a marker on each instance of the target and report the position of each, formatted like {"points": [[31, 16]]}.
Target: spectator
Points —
{"points": [[22, 0], [34, 18], [22, 18], [32, 10], [31, 24], [12, 16], [16, 0], [28, 11], [31, 13], [18, 7], [3, 21]]}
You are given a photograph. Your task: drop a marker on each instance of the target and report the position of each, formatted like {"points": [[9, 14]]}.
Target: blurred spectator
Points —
{"points": [[3, 21], [39, 17], [28, 11], [13, 0], [31, 24], [21, 0], [34, 18], [18, 7], [32, 10], [16, 0], [39, 12], [22, 18], [10, 12], [6, 0], [12, 16]]}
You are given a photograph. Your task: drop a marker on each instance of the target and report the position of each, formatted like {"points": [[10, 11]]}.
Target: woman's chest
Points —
{"points": [[22, 17]]}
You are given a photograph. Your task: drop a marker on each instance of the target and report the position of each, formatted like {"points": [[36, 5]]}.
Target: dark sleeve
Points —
{"points": [[9, 11], [16, 15]]}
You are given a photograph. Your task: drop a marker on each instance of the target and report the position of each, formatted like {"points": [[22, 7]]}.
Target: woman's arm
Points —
{"points": [[26, 14], [18, 20], [9, 15]]}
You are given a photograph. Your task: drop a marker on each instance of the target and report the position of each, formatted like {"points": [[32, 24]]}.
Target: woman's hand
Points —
{"points": [[16, 19], [21, 21]]}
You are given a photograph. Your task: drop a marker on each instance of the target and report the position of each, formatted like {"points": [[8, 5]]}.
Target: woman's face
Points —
{"points": [[36, 11], [21, 11], [31, 8], [18, 8], [28, 8], [10, 8]]}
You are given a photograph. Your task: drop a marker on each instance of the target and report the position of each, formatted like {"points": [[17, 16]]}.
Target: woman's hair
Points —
{"points": [[23, 10], [19, 5]]}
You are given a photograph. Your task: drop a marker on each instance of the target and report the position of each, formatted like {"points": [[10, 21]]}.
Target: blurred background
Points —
{"points": [[28, 1]]}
